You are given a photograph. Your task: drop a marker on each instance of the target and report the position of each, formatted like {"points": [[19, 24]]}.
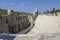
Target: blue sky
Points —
{"points": [[30, 5]]}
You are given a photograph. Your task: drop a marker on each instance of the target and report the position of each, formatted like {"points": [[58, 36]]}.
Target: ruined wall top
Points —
{"points": [[36, 12], [10, 12]]}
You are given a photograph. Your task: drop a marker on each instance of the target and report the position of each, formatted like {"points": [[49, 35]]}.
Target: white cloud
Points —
{"points": [[11, 4]]}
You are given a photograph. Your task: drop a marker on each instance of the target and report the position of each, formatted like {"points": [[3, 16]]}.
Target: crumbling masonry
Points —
{"points": [[12, 23]]}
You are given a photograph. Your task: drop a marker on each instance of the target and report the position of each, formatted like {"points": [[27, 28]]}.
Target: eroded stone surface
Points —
{"points": [[46, 24]]}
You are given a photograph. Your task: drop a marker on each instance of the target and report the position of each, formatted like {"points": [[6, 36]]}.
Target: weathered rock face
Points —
{"points": [[12, 23], [3, 26]]}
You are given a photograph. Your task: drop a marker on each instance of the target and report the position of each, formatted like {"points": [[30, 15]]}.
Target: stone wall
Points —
{"points": [[13, 23], [30, 18]]}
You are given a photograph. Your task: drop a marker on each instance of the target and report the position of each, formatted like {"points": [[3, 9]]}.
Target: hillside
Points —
{"points": [[4, 12]]}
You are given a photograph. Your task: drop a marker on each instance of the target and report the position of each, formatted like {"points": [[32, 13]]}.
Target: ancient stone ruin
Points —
{"points": [[12, 23], [38, 27]]}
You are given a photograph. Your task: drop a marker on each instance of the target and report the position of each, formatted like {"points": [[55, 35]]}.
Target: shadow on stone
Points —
{"points": [[7, 37]]}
